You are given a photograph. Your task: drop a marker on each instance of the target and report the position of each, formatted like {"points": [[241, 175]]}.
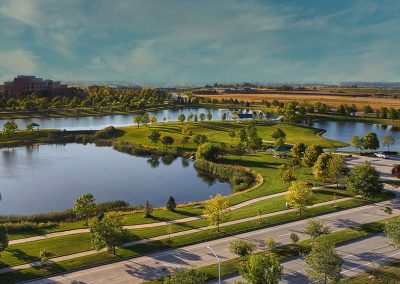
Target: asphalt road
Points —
{"points": [[356, 255], [137, 270]]}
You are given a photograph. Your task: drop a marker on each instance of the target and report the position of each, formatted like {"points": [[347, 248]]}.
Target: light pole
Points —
{"points": [[219, 263]]}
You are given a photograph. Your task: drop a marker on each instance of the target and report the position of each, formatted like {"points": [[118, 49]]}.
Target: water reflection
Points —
{"points": [[50, 177]]}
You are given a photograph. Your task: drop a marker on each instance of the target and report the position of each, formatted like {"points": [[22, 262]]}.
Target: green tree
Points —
{"points": [[10, 127], [336, 168], [154, 136], [242, 248], [392, 231], [320, 168], [171, 204], [311, 155], [294, 237], [224, 116], [270, 244], [243, 135], [148, 209], [388, 141], [186, 276], [185, 140], [167, 141], [261, 269], [356, 142], [45, 255], [287, 174], [364, 180], [3, 238], [232, 134], [85, 207], [279, 136], [108, 232], [299, 195], [181, 118], [323, 263], [137, 119], [215, 210], [202, 116], [316, 229], [199, 139], [298, 150], [370, 141], [209, 152], [29, 127], [240, 149], [153, 119], [209, 116]]}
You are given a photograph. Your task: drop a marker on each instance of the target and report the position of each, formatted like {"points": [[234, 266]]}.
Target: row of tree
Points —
{"points": [[371, 141]]}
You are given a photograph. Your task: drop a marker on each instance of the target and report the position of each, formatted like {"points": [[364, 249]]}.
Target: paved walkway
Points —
{"points": [[141, 226], [191, 231]]}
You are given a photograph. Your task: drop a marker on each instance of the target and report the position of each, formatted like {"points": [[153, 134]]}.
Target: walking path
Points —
{"points": [[191, 231]]}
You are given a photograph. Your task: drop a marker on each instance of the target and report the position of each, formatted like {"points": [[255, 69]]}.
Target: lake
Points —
{"points": [[99, 122], [344, 130], [50, 177]]}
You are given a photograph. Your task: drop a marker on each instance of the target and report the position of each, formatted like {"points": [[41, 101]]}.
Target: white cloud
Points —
{"points": [[16, 61]]}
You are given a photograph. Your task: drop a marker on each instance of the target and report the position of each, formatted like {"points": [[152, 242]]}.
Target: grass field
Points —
{"points": [[330, 100], [387, 274], [218, 131]]}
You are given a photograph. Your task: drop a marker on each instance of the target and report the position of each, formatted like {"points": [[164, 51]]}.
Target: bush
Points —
{"points": [[209, 152], [241, 248], [107, 133]]}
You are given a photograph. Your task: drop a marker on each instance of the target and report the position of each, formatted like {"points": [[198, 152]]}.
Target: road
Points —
{"points": [[356, 256], [137, 270]]}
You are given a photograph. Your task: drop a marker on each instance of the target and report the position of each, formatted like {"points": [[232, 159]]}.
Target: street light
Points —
{"points": [[219, 264]]}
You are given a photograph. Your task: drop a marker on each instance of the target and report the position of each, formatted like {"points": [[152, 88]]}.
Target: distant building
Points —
{"points": [[32, 85]]}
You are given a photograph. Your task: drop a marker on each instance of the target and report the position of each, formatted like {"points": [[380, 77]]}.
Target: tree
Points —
{"points": [[45, 255], [299, 195], [370, 141], [154, 136], [137, 119], [320, 168], [153, 119], [242, 135], [29, 127], [279, 136], [392, 231], [336, 168], [286, 174], [364, 180], [311, 155], [167, 141], [85, 207], [356, 142], [262, 269], [294, 237], [108, 232], [202, 116], [270, 244], [10, 127], [242, 248], [388, 141], [224, 116], [209, 116], [181, 118], [209, 152], [3, 238], [316, 229], [199, 139], [185, 140], [145, 119], [232, 134], [171, 204], [323, 263], [298, 150], [186, 276], [240, 149], [148, 209], [215, 210]]}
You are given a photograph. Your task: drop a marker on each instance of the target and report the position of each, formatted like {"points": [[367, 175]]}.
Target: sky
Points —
{"points": [[167, 42]]}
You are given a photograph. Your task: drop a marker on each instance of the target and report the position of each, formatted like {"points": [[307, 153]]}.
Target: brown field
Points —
{"points": [[331, 100]]}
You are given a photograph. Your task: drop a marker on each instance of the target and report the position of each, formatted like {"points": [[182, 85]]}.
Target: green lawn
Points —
{"points": [[387, 274]]}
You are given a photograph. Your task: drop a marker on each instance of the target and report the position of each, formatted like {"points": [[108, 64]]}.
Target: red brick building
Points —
{"points": [[32, 85]]}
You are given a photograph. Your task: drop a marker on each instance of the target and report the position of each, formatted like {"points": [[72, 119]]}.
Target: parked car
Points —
{"points": [[381, 155]]}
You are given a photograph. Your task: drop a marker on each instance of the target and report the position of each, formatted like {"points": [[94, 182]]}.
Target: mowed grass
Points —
{"points": [[179, 241], [29, 252], [218, 131], [387, 274]]}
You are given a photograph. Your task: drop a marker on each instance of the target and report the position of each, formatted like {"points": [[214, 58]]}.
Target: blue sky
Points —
{"points": [[201, 41]]}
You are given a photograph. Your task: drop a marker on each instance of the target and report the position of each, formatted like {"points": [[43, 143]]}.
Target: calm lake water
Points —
{"points": [[99, 122], [340, 130], [50, 177]]}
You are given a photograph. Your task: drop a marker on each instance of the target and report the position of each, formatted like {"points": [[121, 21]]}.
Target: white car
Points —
{"points": [[381, 155]]}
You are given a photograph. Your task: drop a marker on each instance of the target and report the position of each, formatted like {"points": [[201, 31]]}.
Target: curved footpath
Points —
{"points": [[149, 225], [139, 269]]}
